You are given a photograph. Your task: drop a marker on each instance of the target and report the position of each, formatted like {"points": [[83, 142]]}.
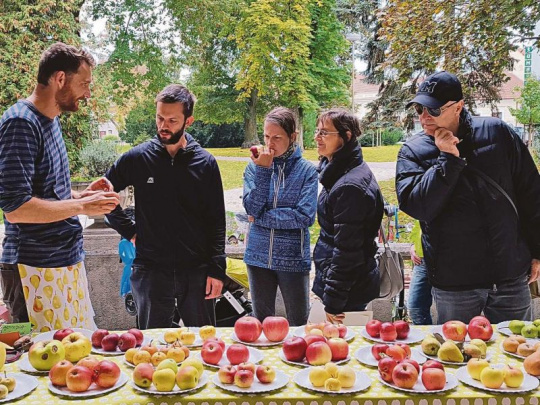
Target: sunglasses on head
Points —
{"points": [[434, 112]]}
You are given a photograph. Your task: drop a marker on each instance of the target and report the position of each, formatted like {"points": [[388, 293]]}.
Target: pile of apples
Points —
{"points": [[517, 344], [79, 377], [213, 350], [155, 355], [405, 373], [244, 374], [531, 331], [66, 344], [388, 331], [7, 385], [248, 329], [315, 349], [399, 351], [479, 328], [326, 329], [110, 342], [168, 374], [332, 377], [492, 376], [186, 336]]}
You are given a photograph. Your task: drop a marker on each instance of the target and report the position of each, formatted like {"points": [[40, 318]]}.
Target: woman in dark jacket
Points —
{"points": [[349, 211]]}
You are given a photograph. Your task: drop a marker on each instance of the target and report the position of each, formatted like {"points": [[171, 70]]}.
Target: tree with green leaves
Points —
{"points": [[528, 112]]}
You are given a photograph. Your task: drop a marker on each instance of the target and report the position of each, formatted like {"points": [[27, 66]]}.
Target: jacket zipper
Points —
{"points": [[302, 243], [280, 178]]}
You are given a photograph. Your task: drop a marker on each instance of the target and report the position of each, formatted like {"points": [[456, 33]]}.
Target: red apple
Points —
{"points": [[402, 329], [142, 375], [265, 374], [58, 373], [62, 333], [237, 353], [294, 349], [342, 330], [226, 374], [433, 379], [413, 362], [248, 329], [138, 335], [388, 332], [330, 331], [339, 348], [90, 362], [373, 328], [377, 349], [79, 379], [480, 328], [243, 378], [318, 354], [247, 366], [404, 375], [432, 364], [385, 366], [97, 337], [275, 328], [110, 342], [314, 338], [107, 373], [254, 151], [212, 353], [215, 340], [126, 341], [405, 347], [454, 330], [396, 352]]}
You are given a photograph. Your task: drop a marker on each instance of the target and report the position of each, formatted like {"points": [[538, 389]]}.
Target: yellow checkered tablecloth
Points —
{"points": [[377, 394]]}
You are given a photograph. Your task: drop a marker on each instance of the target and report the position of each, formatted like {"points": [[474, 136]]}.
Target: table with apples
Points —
{"points": [[381, 363]]}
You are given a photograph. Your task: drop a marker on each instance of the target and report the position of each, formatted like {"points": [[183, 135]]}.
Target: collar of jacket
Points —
{"points": [[465, 133], [186, 152], [345, 159], [295, 155]]}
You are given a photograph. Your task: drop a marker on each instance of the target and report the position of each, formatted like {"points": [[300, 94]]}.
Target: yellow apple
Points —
{"points": [[207, 331], [168, 363], [318, 376], [171, 336], [130, 353], [76, 346], [177, 354], [332, 384], [190, 361], [187, 377], [157, 358], [187, 337], [332, 369], [475, 367], [142, 356], [492, 377], [513, 376], [346, 376], [164, 379]]}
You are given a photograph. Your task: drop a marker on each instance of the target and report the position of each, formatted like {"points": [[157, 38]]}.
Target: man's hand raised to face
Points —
{"points": [[446, 141]]}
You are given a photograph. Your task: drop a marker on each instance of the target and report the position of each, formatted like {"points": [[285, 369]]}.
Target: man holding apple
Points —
{"points": [[179, 225], [474, 187]]}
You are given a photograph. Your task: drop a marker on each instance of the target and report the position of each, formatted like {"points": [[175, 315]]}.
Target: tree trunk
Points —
{"points": [[250, 122], [300, 137]]}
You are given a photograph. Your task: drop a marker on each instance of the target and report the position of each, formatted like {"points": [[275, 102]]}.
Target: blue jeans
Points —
{"points": [[294, 286], [511, 300], [419, 303]]}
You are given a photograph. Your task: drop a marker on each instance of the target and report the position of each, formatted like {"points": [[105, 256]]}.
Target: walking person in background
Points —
{"points": [[280, 194], [349, 210]]}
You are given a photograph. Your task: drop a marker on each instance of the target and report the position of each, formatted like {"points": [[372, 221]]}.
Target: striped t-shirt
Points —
{"points": [[34, 163]]}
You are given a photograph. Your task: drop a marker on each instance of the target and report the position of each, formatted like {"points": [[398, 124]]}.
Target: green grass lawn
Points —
{"points": [[231, 173]]}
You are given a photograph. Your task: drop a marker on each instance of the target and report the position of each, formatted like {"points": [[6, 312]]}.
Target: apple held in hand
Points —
{"points": [[139, 337], [248, 329], [226, 374], [480, 328], [318, 354], [45, 354], [386, 366], [388, 332], [255, 150], [142, 375], [58, 373], [454, 330], [212, 353], [404, 375], [339, 348], [433, 379], [275, 328], [294, 349], [237, 353], [265, 374], [79, 379], [402, 329], [106, 373], [62, 333], [373, 328]]}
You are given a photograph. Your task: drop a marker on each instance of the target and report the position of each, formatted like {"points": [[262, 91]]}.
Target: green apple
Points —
{"points": [[77, 346], [168, 363], [536, 322], [164, 379], [45, 354], [191, 361], [187, 377], [515, 326], [529, 331]]}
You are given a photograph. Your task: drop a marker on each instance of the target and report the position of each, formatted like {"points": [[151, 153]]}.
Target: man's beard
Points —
{"points": [[174, 137], [65, 99]]}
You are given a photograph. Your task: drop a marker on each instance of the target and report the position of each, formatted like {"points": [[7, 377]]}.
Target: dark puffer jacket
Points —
{"points": [[349, 211], [472, 237]]}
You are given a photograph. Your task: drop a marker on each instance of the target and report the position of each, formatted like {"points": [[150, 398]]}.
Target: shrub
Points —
{"points": [[111, 138], [97, 157]]}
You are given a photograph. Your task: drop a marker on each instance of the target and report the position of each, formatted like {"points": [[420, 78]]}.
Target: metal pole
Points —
{"points": [[352, 85]]}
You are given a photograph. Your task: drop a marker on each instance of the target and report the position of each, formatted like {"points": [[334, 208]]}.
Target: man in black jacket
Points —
{"points": [[179, 218], [476, 191]]}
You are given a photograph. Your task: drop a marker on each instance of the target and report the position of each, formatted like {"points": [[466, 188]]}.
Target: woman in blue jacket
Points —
{"points": [[280, 197]]}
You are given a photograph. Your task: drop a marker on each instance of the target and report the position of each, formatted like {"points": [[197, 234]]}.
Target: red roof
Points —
{"points": [[361, 87]]}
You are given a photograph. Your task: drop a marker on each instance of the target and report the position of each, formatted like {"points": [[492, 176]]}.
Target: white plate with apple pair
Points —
{"points": [[502, 328], [198, 340], [304, 363], [438, 329], [175, 391], [24, 365], [301, 332], [24, 385], [415, 336], [262, 341], [49, 335], [453, 363], [93, 391], [131, 365], [257, 387], [518, 356], [364, 356], [363, 382], [98, 350], [419, 388], [530, 383], [255, 356]]}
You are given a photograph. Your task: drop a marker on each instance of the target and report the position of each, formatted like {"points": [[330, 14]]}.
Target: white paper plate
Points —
{"points": [[255, 356], [529, 383], [257, 387], [451, 383], [415, 336], [305, 363], [24, 365], [301, 332], [176, 391], [25, 385], [127, 363], [502, 328], [93, 391], [262, 341], [198, 340], [363, 382], [364, 356], [97, 350], [438, 329], [450, 363], [49, 335]]}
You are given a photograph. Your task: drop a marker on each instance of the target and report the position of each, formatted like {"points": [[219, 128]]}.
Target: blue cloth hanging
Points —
{"points": [[126, 250]]}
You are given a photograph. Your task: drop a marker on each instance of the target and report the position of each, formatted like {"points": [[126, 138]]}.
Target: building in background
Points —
{"points": [[107, 128]]}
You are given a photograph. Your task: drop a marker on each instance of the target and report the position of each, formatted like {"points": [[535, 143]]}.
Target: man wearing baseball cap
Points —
{"points": [[475, 189]]}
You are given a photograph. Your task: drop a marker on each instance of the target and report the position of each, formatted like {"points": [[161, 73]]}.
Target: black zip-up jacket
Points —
{"points": [[349, 211], [471, 236], [179, 206]]}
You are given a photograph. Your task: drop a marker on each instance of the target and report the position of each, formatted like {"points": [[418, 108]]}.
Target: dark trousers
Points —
{"points": [[158, 291], [13, 292]]}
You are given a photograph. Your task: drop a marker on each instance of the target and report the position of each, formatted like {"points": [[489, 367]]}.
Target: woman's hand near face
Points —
{"points": [[265, 158]]}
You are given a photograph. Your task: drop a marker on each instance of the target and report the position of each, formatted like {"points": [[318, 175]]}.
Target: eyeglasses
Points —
{"points": [[324, 133], [434, 112]]}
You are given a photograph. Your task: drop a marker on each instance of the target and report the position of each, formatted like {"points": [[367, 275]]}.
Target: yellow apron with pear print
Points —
{"points": [[58, 297]]}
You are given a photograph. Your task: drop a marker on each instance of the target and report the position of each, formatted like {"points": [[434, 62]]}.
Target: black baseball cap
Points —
{"points": [[437, 90]]}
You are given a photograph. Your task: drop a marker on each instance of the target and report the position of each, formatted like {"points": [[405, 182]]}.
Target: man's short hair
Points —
{"points": [[176, 93], [343, 120], [60, 57]]}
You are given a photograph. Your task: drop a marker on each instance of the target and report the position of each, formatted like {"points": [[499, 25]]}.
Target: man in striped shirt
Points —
{"points": [[43, 235]]}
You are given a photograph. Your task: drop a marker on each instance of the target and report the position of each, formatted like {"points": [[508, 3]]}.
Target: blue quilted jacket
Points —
{"points": [[283, 201]]}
